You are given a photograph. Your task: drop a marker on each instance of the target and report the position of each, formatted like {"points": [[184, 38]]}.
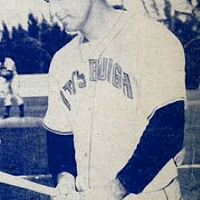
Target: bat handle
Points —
{"points": [[25, 184]]}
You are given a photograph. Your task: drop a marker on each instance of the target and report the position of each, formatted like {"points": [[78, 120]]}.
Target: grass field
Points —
{"points": [[23, 149]]}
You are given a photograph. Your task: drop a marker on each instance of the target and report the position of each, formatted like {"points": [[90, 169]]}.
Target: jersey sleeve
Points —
{"points": [[160, 142], [56, 119], [162, 77]]}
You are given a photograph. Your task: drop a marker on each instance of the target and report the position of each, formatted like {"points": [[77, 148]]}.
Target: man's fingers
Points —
{"points": [[64, 189], [73, 196], [66, 183]]}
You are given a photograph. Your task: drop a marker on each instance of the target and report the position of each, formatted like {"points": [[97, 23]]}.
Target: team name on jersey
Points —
{"points": [[103, 69]]}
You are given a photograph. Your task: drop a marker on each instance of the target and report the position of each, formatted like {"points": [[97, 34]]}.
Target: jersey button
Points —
{"points": [[85, 154]]}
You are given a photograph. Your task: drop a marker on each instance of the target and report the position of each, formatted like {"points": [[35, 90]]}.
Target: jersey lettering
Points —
{"points": [[127, 86], [110, 64], [99, 70], [70, 87], [65, 101], [117, 76], [104, 69], [94, 64]]}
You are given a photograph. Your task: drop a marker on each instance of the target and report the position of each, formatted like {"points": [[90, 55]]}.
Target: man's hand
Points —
{"points": [[112, 191], [66, 187]]}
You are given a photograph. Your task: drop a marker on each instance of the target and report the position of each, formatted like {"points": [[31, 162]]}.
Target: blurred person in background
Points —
{"points": [[11, 85]]}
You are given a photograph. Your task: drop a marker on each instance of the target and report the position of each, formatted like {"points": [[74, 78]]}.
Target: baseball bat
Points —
{"points": [[26, 184]]}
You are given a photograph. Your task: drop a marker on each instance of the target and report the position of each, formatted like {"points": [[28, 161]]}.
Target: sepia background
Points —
{"points": [[30, 35]]}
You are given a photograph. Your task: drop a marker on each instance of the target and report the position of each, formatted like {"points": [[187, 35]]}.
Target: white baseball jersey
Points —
{"points": [[106, 91], [9, 64]]}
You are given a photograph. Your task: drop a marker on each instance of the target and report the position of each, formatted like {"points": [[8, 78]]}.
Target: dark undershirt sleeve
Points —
{"points": [[161, 141], [61, 154]]}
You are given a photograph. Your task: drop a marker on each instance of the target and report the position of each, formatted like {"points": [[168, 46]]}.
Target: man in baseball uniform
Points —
{"points": [[115, 117], [11, 85]]}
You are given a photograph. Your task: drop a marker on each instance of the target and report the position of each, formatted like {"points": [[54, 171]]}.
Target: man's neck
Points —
{"points": [[100, 21]]}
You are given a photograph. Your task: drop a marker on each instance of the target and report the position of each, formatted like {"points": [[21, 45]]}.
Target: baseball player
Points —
{"points": [[11, 85], [115, 115]]}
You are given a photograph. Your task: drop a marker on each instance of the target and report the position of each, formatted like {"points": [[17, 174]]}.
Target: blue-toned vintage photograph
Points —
{"points": [[99, 99]]}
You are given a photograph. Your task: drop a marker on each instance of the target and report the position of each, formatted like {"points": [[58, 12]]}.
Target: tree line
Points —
{"points": [[32, 49]]}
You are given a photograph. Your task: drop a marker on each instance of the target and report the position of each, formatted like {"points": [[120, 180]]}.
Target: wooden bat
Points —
{"points": [[26, 184]]}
